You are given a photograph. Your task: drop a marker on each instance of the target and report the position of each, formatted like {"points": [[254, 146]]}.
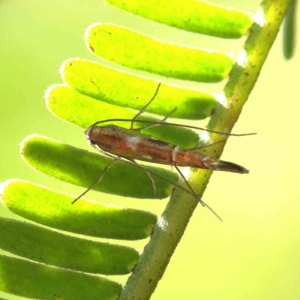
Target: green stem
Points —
{"points": [[289, 31], [171, 226]]}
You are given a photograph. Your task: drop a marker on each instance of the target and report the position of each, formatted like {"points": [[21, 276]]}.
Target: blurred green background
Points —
{"points": [[255, 253]]}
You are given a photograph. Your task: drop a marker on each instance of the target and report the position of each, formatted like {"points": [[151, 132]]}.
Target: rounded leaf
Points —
{"points": [[52, 248], [32, 280], [125, 89], [54, 209], [190, 15], [84, 111], [115, 43], [83, 168]]}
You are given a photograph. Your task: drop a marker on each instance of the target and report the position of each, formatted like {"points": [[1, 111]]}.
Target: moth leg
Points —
{"points": [[98, 179], [187, 183], [148, 174], [129, 161], [145, 107], [160, 122], [207, 146], [195, 195]]}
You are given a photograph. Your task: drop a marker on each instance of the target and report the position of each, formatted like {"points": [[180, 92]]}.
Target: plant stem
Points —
{"points": [[171, 226]]}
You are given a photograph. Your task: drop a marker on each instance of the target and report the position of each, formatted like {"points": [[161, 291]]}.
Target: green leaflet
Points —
{"points": [[114, 43], [52, 248], [179, 211], [190, 15], [289, 30], [123, 88], [84, 111], [82, 168], [54, 209], [37, 281]]}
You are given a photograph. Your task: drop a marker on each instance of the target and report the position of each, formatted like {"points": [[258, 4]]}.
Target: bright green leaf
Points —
{"points": [[126, 89], [196, 16], [54, 209], [37, 281], [115, 43], [84, 111], [82, 168], [52, 248]]}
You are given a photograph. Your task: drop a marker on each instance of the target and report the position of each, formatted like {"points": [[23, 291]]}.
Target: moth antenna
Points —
{"points": [[174, 124]]}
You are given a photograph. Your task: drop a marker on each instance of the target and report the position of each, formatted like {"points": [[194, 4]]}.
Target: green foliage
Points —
{"points": [[96, 92], [33, 280], [54, 209], [195, 16], [168, 59], [52, 248], [129, 90], [80, 167], [289, 32], [83, 111]]}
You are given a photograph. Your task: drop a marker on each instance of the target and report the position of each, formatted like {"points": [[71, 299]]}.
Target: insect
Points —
{"points": [[129, 145]]}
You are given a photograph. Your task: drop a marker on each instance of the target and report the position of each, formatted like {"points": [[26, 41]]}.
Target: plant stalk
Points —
{"points": [[171, 225]]}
